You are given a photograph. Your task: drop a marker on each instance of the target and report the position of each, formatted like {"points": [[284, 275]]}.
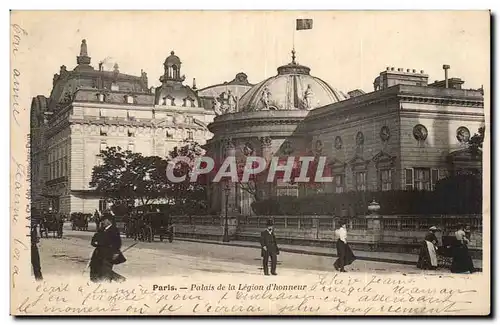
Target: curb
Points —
{"points": [[307, 252]]}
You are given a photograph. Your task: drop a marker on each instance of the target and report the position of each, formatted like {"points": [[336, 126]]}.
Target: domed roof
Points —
{"points": [[293, 88], [172, 59]]}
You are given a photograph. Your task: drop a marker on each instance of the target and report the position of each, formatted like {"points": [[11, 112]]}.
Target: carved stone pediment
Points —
{"points": [[358, 162], [337, 165], [384, 158]]}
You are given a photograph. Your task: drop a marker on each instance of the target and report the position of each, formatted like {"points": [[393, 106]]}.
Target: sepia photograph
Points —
{"points": [[250, 163]]}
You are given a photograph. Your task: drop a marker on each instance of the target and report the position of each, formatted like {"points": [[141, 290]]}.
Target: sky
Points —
{"points": [[346, 49]]}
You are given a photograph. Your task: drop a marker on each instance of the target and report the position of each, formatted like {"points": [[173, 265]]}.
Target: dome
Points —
{"points": [[172, 59], [293, 88]]}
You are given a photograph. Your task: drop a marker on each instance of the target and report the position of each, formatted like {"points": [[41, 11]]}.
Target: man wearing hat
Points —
{"points": [[107, 243], [427, 258], [269, 248]]}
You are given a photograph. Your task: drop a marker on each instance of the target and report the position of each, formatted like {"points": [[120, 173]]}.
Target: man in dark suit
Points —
{"points": [[269, 248], [107, 243], [35, 255]]}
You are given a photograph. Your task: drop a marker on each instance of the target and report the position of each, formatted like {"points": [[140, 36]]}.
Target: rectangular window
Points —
{"points": [[130, 100], [65, 166], [190, 135], [130, 133], [434, 178], [339, 183], [386, 179], [103, 132], [102, 205], [360, 181], [169, 134], [409, 179], [422, 179]]}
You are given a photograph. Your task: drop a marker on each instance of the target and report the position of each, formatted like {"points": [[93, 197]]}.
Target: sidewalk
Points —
{"points": [[386, 257]]}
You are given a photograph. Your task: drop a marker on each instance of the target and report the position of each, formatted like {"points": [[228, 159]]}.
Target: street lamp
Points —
{"points": [[225, 239]]}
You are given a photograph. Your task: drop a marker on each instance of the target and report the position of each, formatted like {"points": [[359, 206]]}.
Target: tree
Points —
{"points": [[188, 196], [476, 141], [125, 176]]}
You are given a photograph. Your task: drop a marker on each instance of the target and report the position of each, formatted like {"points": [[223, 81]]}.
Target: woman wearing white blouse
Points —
{"points": [[344, 252]]}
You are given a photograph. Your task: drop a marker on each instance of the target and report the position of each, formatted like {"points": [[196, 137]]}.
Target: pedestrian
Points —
{"points": [[427, 257], [344, 252], [462, 262], [107, 243], [35, 255], [269, 249]]}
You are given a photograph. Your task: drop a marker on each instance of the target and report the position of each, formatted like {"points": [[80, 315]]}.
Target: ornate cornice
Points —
{"points": [[236, 124], [133, 123], [442, 101]]}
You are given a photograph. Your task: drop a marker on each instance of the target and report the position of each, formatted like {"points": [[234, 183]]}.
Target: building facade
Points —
{"points": [[90, 109], [406, 134]]}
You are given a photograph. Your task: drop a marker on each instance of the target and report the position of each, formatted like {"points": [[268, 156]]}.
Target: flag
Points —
{"points": [[304, 24]]}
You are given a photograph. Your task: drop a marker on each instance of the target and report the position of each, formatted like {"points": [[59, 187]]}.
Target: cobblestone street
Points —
{"points": [[71, 254]]}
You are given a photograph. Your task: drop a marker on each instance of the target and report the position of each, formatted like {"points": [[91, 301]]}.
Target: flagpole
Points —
{"points": [[293, 38]]}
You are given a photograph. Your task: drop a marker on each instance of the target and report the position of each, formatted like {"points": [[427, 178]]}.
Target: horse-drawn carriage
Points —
{"points": [[51, 222], [80, 221], [145, 226]]}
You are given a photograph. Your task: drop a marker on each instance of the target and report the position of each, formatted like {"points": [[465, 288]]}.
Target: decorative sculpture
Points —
{"points": [[308, 98], [248, 149], [217, 107], [231, 102], [265, 141], [83, 48], [266, 98]]}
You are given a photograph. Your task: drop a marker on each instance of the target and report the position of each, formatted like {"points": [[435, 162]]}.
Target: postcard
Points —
{"points": [[249, 163]]}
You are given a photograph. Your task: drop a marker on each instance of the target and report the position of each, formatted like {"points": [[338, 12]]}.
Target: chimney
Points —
{"points": [[100, 66], [446, 67], [194, 83]]}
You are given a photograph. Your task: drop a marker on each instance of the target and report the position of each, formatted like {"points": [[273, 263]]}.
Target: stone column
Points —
{"points": [[266, 153], [229, 151]]}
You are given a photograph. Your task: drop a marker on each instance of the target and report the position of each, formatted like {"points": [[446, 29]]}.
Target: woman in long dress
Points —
{"points": [[344, 252], [462, 262], [427, 258]]}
